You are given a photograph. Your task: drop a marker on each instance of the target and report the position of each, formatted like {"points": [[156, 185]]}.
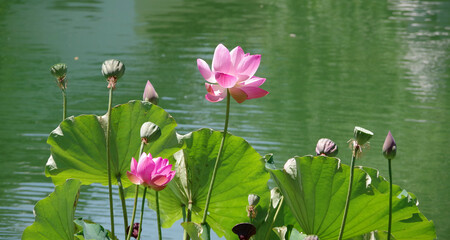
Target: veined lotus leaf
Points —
{"points": [[78, 145], [55, 214], [315, 189], [241, 172]]}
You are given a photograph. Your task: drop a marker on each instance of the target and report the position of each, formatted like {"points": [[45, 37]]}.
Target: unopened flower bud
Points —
{"points": [[59, 70], [326, 147], [253, 199], [389, 147], [150, 95], [112, 70], [362, 135], [150, 132]]}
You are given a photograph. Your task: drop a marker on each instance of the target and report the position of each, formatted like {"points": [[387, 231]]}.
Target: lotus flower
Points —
{"points": [[151, 172], [233, 71]]}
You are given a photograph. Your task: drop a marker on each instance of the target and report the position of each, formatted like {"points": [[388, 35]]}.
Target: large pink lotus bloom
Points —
{"points": [[234, 71], [151, 172]]}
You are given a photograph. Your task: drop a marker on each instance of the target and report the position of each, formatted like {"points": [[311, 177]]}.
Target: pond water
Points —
{"points": [[382, 65]]}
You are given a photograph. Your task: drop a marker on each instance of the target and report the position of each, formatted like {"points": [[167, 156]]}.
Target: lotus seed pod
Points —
{"points": [[290, 167], [113, 68], [150, 94], [326, 147], [253, 199], [150, 132], [362, 135], [244, 230], [59, 70], [389, 147]]}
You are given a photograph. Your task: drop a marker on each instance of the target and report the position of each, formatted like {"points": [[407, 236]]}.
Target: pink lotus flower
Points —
{"points": [[233, 71], [151, 172]]}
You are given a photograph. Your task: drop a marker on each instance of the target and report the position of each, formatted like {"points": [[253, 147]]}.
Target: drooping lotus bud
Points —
{"points": [[389, 147], [59, 71], [253, 199], [150, 95], [244, 230], [150, 132], [135, 230], [112, 70], [362, 135], [326, 147]]}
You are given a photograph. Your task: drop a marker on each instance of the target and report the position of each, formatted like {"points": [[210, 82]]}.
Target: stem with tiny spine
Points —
{"points": [[108, 162], [347, 202], [158, 214], [142, 213], [390, 201], [219, 154], [136, 196], [64, 104], [124, 205]]}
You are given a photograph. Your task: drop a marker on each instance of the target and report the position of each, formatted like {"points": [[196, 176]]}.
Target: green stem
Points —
{"points": [[158, 214], [275, 216], [136, 196], [347, 202], [219, 154], [124, 204], [64, 104], [390, 200], [108, 131], [188, 219], [142, 214]]}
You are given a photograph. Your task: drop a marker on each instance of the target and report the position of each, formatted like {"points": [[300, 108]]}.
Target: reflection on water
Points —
{"points": [[330, 65]]}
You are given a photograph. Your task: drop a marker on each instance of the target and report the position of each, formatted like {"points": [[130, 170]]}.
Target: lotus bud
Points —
{"points": [[59, 71], [244, 230], [150, 132], [362, 135], [112, 70], [253, 199], [311, 237], [290, 167], [150, 95], [326, 147], [389, 147]]}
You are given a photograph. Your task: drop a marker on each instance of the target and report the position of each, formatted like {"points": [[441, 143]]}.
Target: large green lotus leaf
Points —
{"points": [[315, 189], [54, 214], [78, 145], [241, 172]]}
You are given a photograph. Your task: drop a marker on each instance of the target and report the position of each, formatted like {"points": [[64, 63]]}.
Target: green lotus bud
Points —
{"points": [[59, 70], [150, 95], [150, 132], [112, 70], [326, 147], [389, 147], [362, 135], [253, 199]]}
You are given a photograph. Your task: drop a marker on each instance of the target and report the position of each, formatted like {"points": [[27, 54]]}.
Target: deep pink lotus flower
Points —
{"points": [[151, 172], [234, 71]]}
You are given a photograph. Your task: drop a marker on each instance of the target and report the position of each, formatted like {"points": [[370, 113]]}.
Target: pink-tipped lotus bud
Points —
{"points": [[113, 68], [150, 132], [389, 147], [150, 95], [362, 135], [326, 147]]}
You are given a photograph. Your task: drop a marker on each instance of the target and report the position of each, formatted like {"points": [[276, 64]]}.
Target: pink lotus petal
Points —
{"points": [[254, 92], [145, 169], [221, 60], [158, 163], [249, 65], [213, 98], [160, 180], [225, 80], [236, 56], [203, 67], [134, 179], [165, 170], [133, 165], [144, 156], [238, 95], [253, 82]]}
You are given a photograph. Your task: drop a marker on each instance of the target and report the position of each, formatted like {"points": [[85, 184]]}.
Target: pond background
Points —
{"points": [[330, 65]]}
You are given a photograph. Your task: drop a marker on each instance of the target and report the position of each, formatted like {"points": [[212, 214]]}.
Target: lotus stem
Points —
{"points": [[108, 162], [124, 205], [188, 219], [219, 154], [64, 104], [390, 200], [276, 215], [158, 215], [142, 214], [136, 196], [347, 202]]}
